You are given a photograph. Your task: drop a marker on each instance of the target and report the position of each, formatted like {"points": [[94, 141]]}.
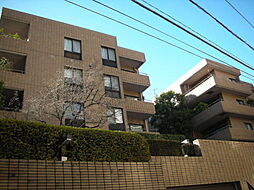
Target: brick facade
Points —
{"points": [[43, 47], [221, 162]]}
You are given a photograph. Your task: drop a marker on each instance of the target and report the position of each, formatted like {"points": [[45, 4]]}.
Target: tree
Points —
{"points": [[201, 106], [14, 36], [71, 100], [172, 114], [5, 64]]}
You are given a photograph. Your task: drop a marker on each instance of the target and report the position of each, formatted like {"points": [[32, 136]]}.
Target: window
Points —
{"points": [[72, 48], [136, 127], [12, 99], [241, 102], [248, 126], [232, 79], [73, 76], [74, 114], [111, 84], [108, 57], [115, 119]]}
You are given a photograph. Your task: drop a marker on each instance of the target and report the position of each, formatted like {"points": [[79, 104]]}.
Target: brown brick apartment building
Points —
{"points": [[230, 113], [47, 46]]}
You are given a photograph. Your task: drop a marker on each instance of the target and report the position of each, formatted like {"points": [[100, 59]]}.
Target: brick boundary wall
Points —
{"points": [[222, 161]]}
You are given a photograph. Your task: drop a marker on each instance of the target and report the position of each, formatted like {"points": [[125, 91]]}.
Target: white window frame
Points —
{"points": [[73, 42], [105, 51], [109, 84]]}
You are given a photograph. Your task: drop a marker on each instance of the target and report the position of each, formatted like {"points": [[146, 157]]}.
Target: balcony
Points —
{"points": [[234, 132], [244, 111], [139, 109], [235, 87], [208, 117], [221, 134], [220, 110], [17, 63], [13, 99], [134, 81], [16, 45], [11, 26], [211, 86], [201, 87], [130, 58], [241, 134]]}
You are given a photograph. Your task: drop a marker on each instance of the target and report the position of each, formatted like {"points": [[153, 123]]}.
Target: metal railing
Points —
{"points": [[214, 102], [140, 100], [139, 73], [218, 130], [198, 84]]}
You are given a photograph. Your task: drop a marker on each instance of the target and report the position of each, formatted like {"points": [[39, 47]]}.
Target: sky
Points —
{"points": [[164, 63]]}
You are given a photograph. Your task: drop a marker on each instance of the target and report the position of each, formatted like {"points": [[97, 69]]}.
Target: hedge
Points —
{"points": [[164, 147], [30, 140], [179, 138]]}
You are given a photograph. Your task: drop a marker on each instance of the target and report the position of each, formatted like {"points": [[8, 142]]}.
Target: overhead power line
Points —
{"points": [[129, 26], [223, 25], [164, 41], [181, 23], [240, 14], [120, 12], [160, 31], [187, 31]]}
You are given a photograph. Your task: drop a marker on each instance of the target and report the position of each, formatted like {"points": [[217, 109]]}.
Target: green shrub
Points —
{"points": [[179, 138], [164, 147], [29, 140]]}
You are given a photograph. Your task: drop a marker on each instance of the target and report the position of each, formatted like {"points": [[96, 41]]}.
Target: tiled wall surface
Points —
{"points": [[222, 161], [25, 174]]}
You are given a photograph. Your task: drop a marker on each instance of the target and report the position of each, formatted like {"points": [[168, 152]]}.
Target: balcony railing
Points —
{"points": [[137, 72], [132, 97], [221, 133], [202, 86], [219, 107], [218, 130], [214, 102], [141, 107], [237, 87], [16, 71], [135, 81], [196, 85], [214, 109]]}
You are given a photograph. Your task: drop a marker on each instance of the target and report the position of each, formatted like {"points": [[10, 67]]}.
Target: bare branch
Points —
{"points": [[75, 102]]}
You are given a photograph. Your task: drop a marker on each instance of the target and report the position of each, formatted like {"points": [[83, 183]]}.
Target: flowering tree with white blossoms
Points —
{"points": [[71, 101]]}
